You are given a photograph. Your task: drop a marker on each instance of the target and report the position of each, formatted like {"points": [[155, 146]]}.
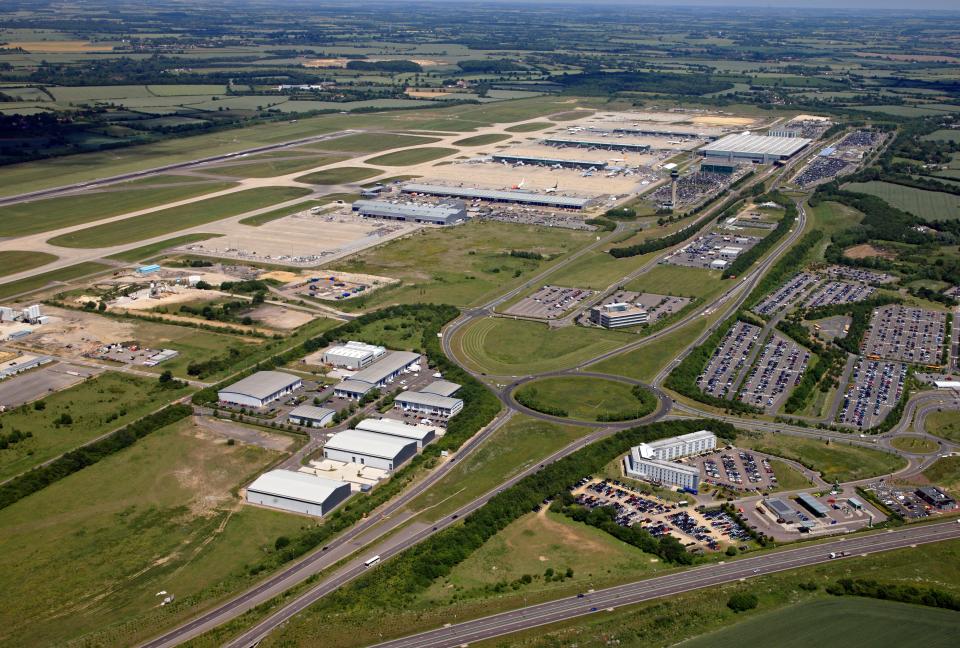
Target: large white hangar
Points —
{"points": [[297, 492], [260, 389], [370, 449], [760, 149]]}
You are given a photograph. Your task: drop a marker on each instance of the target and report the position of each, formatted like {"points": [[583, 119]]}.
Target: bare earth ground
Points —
{"points": [[865, 251]]}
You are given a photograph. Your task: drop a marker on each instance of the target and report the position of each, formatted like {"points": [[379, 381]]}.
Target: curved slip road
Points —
{"points": [[685, 581]]}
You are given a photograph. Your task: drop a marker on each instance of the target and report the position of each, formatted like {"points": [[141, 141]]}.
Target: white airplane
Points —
{"points": [[552, 189], [520, 184]]}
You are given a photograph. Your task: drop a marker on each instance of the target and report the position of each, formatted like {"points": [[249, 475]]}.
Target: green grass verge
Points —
{"points": [[834, 461], [529, 127], [945, 472], [12, 262], [412, 156], [147, 251], [915, 444], [159, 515], [173, 219], [96, 406], [644, 363], [788, 477], [270, 168], [36, 282], [586, 398], [666, 279], [372, 142], [339, 175], [49, 214], [944, 424], [481, 140], [506, 347]]}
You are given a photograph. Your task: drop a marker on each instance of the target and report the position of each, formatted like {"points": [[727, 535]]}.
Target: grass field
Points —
{"points": [[162, 222], [944, 424], [506, 347], [529, 127], [267, 217], [597, 270], [946, 135], [147, 251], [372, 142], [929, 205], [833, 461], [520, 443], [54, 213], [645, 362], [915, 444], [945, 472], [38, 281], [788, 477], [571, 115], [269, 168], [584, 398], [668, 279], [481, 140], [412, 156], [462, 265], [841, 623], [85, 556], [97, 405], [339, 175], [12, 262]]}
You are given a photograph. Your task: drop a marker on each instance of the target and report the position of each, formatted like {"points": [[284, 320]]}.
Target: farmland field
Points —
{"points": [[165, 221], [929, 205]]}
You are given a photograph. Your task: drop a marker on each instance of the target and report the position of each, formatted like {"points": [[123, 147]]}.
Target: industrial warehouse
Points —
{"points": [[377, 375], [433, 400], [422, 434], [492, 195], [259, 389], [297, 492], [655, 461], [387, 452], [760, 149], [353, 355], [311, 416], [448, 213]]}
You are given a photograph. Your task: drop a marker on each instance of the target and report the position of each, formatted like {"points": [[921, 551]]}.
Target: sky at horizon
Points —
{"points": [[865, 5]]}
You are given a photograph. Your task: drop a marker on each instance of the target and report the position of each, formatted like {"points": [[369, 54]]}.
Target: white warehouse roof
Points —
{"points": [[368, 443], [430, 400], [385, 367], [441, 388], [395, 428], [311, 412], [295, 485], [758, 144], [262, 384]]}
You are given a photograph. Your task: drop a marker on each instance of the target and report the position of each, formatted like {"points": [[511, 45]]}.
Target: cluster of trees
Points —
{"points": [[610, 83], [223, 312], [785, 266], [929, 596], [528, 397], [489, 66], [859, 313], [747, 259], [742, 601], [247, 286], [39, 478], [385, 66], [13, 437], [525, 254], [825, 371], [621, 213]]}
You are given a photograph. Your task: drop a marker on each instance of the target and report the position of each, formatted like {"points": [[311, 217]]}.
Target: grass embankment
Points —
{"points": [[159, 515], [38, 281], [12, 262], [506, 347], [339, 175], [464, 265], [412, 156], [833, 460], [788, 477], [94, 407], [481, 140], [54, 213], [138, 228], [944, 424], [915, 444], [586, 398], [945, 472]]}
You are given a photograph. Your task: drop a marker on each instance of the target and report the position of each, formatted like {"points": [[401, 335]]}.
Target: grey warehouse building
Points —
{"points": [[443, 214], [429, 404], [260, 389], [370, 449], [297, 492], [493, 195], [760, 149], [377, 375], [310, 416]]}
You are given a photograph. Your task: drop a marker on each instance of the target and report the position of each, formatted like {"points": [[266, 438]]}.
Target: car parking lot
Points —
{"points": [[706, 249], [695, 529], [737, 470], [858, 274], [875, 388], [840, 516], [784, 296], [549, 302], [778, 369], [839, 292], [912, 335], [900, 499], [719, 378]]}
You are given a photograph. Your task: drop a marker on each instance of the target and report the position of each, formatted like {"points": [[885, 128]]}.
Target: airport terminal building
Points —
{"points": [[759, 149], [515, 196], [442, 214]]}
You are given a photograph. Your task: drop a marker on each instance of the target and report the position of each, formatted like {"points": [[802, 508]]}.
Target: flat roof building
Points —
{"points": [[370, 449], [355, 389], [297, 492], [442, 214], [723, 167], [387, 368], [441, 388], [422, 434], [676, 447], [618, 315], [662, 472], [260, 389], [811, 504], [605, 145], [781, 509], [353, 355], [552, 162], [311, 416], [936, 498], [760, 149], [493, 195], [429, 404]]}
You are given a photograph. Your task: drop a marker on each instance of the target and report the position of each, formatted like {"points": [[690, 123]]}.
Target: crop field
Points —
{"points": [[834, 461], [944, 424], [412, 156], [147, 251], [929, 205], [159, 515], [96, 406], [12, 262], [53, 213], [339, 175], [461, 265], [506, 347], [583, 398], [38, 281], [481, 140], [173, 219]]}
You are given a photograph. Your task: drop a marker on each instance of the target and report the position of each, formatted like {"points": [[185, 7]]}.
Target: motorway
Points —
{"points": [[605, 600]]}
